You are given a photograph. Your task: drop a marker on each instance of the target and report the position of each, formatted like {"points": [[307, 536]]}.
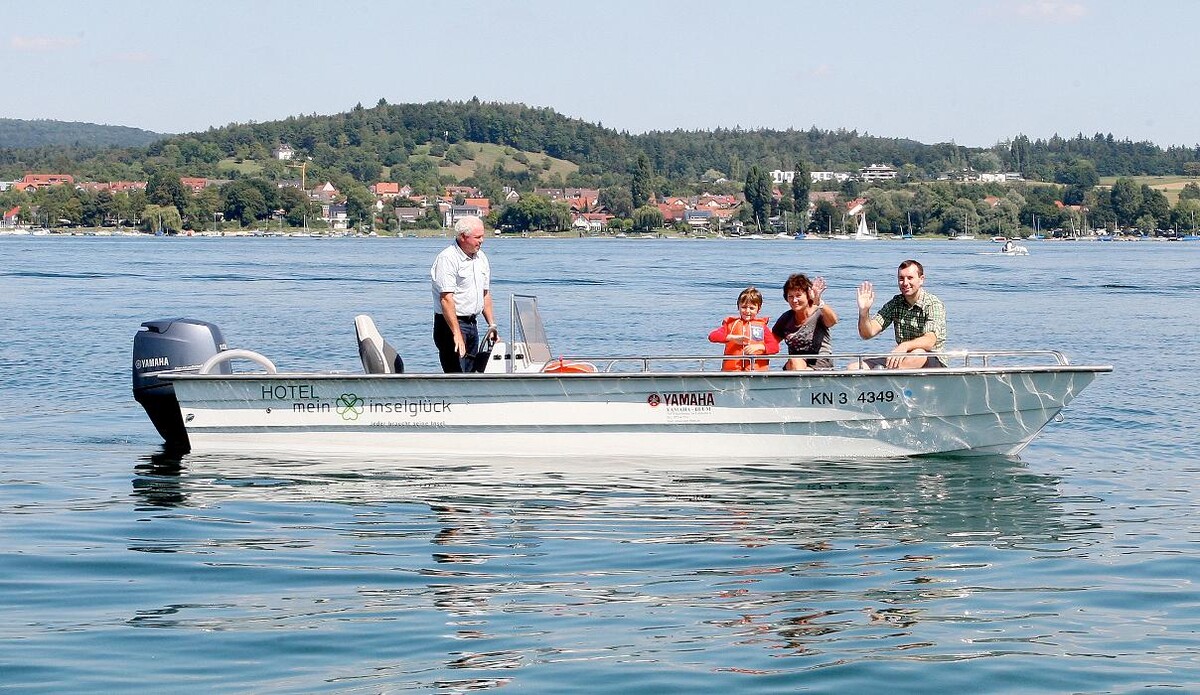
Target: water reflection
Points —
{"points": [[970, 498], [530, 562], [157, 479]]}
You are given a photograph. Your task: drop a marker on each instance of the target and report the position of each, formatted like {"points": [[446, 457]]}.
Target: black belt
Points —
{"points": [[466, 319]]}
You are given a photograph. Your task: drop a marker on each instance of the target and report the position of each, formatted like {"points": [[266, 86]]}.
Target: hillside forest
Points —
{"points": [[495, 148]]}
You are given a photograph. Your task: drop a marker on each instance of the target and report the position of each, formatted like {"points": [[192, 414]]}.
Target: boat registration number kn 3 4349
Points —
{"points": [[843, 398]]}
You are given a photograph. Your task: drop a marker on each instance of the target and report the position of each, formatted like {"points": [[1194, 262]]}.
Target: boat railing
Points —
{"points": [[530, 352], [840, 361]]}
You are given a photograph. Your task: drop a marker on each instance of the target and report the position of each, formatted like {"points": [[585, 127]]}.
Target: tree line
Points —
{"points": [[17, 133]]}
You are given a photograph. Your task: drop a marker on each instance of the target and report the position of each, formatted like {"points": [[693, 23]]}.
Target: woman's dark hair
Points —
{"points": [[797, 281]]}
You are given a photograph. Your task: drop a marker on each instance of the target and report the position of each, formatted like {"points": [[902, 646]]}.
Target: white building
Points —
{"points": [[780, 177], [1000, 177], [839, 176], [877, 172], [284, 151]]}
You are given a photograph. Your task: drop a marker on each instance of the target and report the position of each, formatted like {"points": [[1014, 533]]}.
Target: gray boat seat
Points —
{"points": [[378, 357]]}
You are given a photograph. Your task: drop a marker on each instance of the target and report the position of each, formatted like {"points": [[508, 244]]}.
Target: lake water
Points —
{"points": [[1071, 569]]}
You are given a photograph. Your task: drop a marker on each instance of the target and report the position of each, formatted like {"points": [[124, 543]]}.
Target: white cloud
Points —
{"points": [[42, 44], [1040, 10]]}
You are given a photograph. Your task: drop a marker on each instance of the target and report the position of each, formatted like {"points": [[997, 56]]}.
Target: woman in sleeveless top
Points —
{"points": [[805, 329]]}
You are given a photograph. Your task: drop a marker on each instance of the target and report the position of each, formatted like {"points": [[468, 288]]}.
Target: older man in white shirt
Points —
{"points": [[461, 278]]}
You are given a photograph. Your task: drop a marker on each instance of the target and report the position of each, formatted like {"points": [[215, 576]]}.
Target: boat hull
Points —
{"points": [[790, 414]]}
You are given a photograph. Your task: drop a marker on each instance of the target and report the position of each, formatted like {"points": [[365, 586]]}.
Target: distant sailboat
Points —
{"points": [[863, 233]]}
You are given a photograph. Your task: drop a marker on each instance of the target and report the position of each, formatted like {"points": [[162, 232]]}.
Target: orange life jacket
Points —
{"points": [[755, 329]]}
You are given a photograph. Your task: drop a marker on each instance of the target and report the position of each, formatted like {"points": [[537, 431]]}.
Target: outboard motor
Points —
{"points": [[169, 344]]}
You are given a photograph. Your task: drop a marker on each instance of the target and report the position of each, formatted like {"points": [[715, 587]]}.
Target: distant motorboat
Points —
{"points": [[963, 237], [1014, 250]]}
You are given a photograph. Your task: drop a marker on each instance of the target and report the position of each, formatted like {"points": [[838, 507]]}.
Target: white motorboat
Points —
{"points": [[1010, 250], [526, 403]]}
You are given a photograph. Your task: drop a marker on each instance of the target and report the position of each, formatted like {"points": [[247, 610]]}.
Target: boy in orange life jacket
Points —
{"points": [[746, 334]]}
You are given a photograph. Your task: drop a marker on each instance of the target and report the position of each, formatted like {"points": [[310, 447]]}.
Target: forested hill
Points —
{"points": [[15, 133], [364, 140], [403, 142]]}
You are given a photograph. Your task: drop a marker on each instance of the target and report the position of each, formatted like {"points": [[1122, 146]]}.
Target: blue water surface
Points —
{"points": [[124, 568]]}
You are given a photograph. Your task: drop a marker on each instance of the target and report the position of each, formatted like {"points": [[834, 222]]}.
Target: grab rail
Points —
{"points": [[227, 355], [956, 358]]}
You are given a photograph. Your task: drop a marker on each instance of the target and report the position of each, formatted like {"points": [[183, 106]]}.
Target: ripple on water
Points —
{"points": [[123, 565]]}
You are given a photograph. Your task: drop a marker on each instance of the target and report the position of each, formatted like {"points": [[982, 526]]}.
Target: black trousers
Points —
{"points": [[443, 338]]}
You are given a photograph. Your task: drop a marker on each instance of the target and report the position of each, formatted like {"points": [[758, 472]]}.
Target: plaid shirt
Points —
{"points": [[928, 315]]}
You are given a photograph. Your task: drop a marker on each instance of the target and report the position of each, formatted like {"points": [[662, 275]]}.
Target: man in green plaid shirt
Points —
{"points": [[918, 316]]}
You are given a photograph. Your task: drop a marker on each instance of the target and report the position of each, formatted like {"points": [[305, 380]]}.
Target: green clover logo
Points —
{"points": [[349, 406]]}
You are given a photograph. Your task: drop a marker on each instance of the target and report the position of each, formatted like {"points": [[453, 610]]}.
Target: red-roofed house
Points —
{"points": [[484, 205], [580, 199], [591, 221], [11, 216], [326, 193], [672, 212], [713, 202], [385, 189], [32, 182], [194, 184]]}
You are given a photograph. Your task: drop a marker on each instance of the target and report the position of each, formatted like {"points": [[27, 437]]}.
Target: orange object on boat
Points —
{"points": [[561, 366]]}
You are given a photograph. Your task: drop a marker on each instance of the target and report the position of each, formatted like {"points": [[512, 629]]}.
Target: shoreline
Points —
{"points": [[22, 232]]}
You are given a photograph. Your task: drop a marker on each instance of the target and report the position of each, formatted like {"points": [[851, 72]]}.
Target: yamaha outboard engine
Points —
{"points": [[165, 345]]}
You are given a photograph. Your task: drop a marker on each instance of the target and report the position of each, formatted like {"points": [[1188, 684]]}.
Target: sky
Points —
{"points": [[972, 72]]}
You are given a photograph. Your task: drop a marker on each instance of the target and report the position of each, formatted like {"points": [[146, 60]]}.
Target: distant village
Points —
{"points": [[706, 211]]}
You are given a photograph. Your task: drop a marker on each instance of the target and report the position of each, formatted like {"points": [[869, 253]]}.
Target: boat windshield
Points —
{"points": [[528, 328]]}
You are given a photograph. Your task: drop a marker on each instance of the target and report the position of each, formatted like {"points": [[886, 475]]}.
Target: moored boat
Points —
{"points": [[526, 403]]}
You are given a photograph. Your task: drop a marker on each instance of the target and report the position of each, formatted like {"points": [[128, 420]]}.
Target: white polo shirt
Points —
{"points": [[468, 278]]}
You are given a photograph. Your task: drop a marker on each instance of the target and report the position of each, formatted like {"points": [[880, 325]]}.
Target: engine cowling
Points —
{"points": [[164, 345]]}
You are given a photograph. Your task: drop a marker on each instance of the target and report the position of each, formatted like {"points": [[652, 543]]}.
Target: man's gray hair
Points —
{"points": [[467, 225]]}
